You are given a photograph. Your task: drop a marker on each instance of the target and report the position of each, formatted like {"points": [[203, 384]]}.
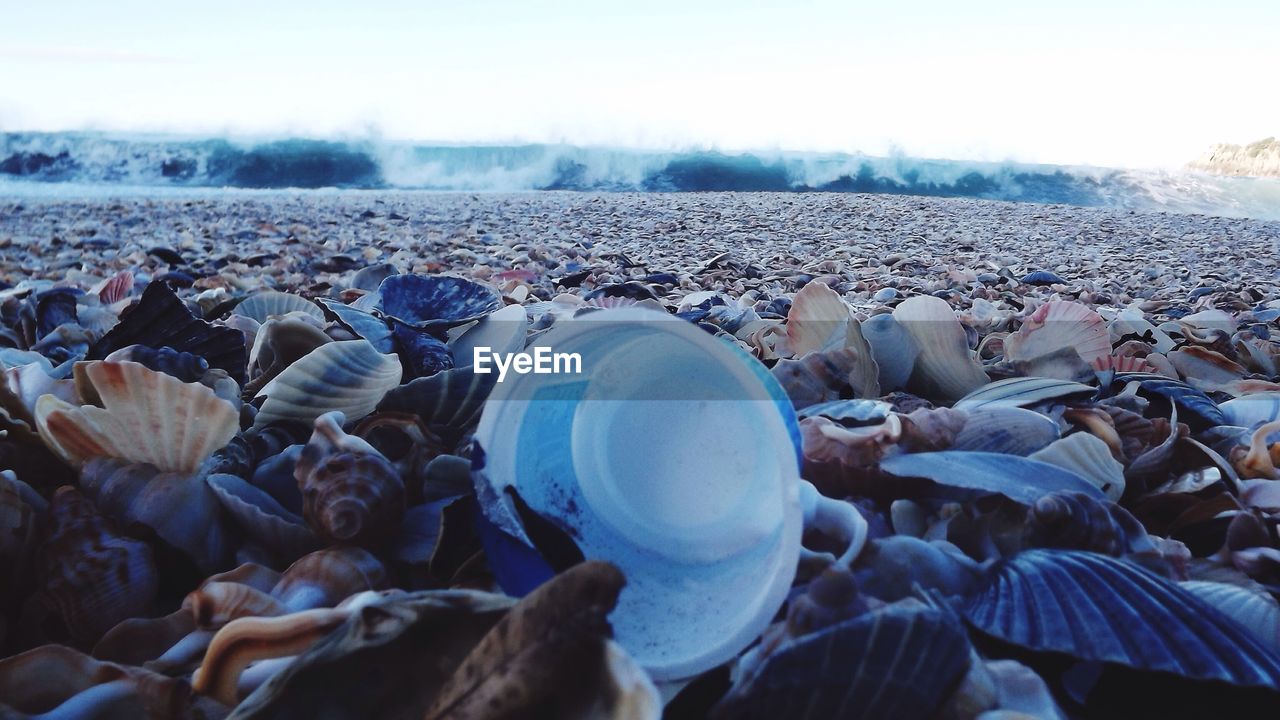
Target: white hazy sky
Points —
{"points": [[1115, 82]]}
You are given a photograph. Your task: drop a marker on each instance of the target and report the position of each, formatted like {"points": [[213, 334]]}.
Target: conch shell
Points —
{"points": [[350, 492]]}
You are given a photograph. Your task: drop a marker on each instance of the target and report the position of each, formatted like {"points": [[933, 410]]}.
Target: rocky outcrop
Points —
{"points": [[1258, 159]]}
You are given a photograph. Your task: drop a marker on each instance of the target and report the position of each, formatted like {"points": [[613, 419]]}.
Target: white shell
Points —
{"points": [[946, 369], [818, 320], [349, 376], [1057, 325], [270, 303], [1252, 410], [1090, 458]]}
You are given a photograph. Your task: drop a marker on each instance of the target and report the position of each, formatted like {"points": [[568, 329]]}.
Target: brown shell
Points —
{"points": [[327, 577], [45, 679], [215, 604], [92, 576], [350, 492]]}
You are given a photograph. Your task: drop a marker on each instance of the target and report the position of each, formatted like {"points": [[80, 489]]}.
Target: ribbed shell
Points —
{"points": [[160, 319], [350, 492], [503, 332], [1257, 613], [1056, 325], [182, 365], [436, 301], [325, 578], [270, 303], [1007, 430], [1194, 407], [362, 324], [945, 369], [1023, 392], [92, 576], [1016, 478], [1088, 457], [818, 320], [899, 662], [450, 400], [262, 519], [349, 376], [1095, 608], [146, 417]]}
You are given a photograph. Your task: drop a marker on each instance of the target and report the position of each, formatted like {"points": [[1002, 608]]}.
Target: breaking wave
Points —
{"points": [[30, 160]]}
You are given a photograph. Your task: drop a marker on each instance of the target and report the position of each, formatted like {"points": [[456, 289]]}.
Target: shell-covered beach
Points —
{"points": [[243, 471]]}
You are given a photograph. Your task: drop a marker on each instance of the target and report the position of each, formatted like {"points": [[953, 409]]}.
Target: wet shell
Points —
{"points": [[160, 319], [350, 492], [92, 576], [946, 369], [325, 578], [447, 402], [439, 301], [1008, 430], [180, 507], [899, 662], [1256, 612], [1094, 608], [502, 332], [263, 519], [268, 304], [818, 320], [1020, 479], [350, 377], [1023, 392], [1088, 457], [146, 417], [893, 349], [1057, 325]]}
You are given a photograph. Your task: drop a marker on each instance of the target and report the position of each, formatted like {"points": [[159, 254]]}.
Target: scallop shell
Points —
{"points": [[1008, 430], [146, 417], [1088, 457], [92, 576], [502, 332], [1255, 612], [1094, 608], [115, 288], [901, 661], [1023, 392], [1057, 325], [349, 376], [263, 519], [1200, 365], [435, 301], [1210, 320], [160, 319], [1020, 479], [818, 320], [1130, 323], [350, 492], [180, 507], [945, 369], [447, 402], [262, 306], [325, 578]]}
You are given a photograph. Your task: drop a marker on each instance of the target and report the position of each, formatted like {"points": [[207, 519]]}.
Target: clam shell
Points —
{"points": [[1088, 457], [1205, 368], [1257, 613], [1251, 411], [1020, 479], [362, 324], [349, 376], [350, 492], [1094, 608], [147, 417], [180, 507], [1058, 325], [894, 350], [898, 662], [92, 576], [262, 306], [1008, 430], [439, 301], [160, 319], [447, 402], [502, 332], [1211, 320], [263, 519], [945, 369], [818, 320], [1021, 392]]}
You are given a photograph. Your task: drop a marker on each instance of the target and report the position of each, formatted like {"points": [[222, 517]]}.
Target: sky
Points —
{"points": [[1115, 83]]}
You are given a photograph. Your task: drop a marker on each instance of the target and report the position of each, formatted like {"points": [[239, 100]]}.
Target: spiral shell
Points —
{"points": [[350, 492], [92, 576], [327, 577]]}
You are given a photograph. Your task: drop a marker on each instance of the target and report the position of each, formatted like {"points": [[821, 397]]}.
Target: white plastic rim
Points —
{"points": [[696, 501]]}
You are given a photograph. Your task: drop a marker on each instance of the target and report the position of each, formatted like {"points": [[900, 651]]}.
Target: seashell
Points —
{"points": [[1088, 457], [832, 451], [893, 349], [1263, 454], [1022, 392], [268, 304], [20, 511], [407, 443], [92, 576], [1020, 479], [262, 518], [55, 681], [413, 642], [146, 417], [502, 331], [849, 412], [891, 568], [1099, 423], [900, 661], [216, 603], [349, 376], [945, 369], [423, 353], [1064, 363], [1042, 277], [115, 288], [160, 319], [53, 308], [821, 377], [1257, 613], [65, 343], [277, 344], [1251, 411], [350, 492], [22, 386], [1210, 320], [180, 507], [137, 641], [1194, 407], [362, 324], [1205, 369], [448, 402], [325, 578], [1008, 430], [1099, 609], [1071, 521], [818, 320], [1058, 325], [186, 367], [435, 301], [929, 429], [1130, 324]]}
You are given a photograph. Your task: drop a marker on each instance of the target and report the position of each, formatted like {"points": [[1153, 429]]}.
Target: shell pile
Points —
{"points": [[235, 482]]}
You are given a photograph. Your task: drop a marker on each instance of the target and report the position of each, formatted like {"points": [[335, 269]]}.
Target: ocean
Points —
{"points": [[94, 164]]}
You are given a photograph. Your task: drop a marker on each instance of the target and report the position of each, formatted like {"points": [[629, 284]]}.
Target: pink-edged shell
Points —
{"points": [[817, 321], [116, 288], [1056, 325], [350, 492]]}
